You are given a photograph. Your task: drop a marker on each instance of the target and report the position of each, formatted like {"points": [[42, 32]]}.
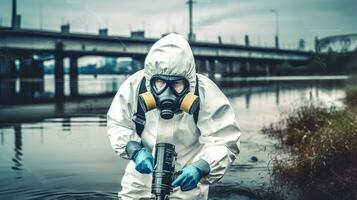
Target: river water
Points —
{"points": [[71, 158]]}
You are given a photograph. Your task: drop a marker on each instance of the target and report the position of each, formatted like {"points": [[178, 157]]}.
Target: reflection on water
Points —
{"points": [[281, 89], [17, 159], [71, 158], [58, 158], [24, 91]]}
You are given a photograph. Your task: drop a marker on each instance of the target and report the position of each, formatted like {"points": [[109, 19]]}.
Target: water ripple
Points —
{"points": [[71, 195]]}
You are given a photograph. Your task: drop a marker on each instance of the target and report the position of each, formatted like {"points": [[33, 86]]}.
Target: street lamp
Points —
{"points": [[191, 35], [14, 14], [277, 27]]}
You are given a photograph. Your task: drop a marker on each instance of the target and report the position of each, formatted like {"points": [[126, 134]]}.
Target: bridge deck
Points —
{"points": [[26, 40]]}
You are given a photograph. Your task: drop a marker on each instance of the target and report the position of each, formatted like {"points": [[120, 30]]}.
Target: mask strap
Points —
{"points": [[139, 117], [197, 111]]}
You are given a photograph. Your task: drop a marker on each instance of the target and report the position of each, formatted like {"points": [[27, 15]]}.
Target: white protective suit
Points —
{"points": [[215, 139]]}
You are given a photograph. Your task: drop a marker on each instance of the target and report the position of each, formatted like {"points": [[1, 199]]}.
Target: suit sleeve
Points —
{"points": [[220, 133], [120, 127]]}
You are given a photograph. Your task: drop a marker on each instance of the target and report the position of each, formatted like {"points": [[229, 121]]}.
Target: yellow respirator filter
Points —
{"points": [[147, 101], [189, 103]]}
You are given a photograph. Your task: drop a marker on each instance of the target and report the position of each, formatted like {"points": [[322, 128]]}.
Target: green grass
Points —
{"points": [[322, 147]]}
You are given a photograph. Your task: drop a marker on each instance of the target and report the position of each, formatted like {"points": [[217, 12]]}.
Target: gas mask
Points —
{"points": [[170, 94]]}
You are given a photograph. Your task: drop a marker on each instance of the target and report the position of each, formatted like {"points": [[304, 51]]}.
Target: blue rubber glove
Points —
{"points": [[144, 162], [188, 179]]}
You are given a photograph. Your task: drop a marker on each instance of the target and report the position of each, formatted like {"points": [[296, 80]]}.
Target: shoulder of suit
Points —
{"points": [[132, 81], [205, 83], [128, 89]]}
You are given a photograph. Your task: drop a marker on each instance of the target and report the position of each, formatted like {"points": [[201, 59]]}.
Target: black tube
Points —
{"points": [[165, 157], [159, 197]]}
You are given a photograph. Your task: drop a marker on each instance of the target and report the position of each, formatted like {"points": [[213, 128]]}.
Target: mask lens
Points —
{"points": [[179, 86], [159, 85]]}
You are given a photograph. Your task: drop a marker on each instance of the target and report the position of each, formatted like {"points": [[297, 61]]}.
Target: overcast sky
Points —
{"points": [[231, 19]]}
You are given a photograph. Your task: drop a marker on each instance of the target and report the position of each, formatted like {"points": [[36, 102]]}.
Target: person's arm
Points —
{"points": [[120, 127], [220, 133]]}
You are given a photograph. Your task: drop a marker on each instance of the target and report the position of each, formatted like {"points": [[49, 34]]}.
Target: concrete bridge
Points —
{"points": [[227, 59]]}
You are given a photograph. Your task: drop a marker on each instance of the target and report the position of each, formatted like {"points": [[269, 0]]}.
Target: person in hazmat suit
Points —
{"points": [[205, 147]]}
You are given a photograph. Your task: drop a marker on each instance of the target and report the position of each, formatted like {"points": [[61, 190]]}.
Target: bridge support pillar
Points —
{"points": [[59, 72], [254, 68], [31, 77], [230, 68], [236, 67], [248, 67], [226, 68], [7, 67], [7, 87], [198, 64], [7, 92], [267, 69], [73, 76], [244, 68], [31, 68], [211, 68]]}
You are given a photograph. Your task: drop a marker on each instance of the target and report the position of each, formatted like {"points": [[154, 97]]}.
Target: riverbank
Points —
{"points": [[319, 148]]}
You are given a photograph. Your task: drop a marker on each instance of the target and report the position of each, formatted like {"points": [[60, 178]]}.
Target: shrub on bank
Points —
{"points": [[299, 124], [323, 147]]}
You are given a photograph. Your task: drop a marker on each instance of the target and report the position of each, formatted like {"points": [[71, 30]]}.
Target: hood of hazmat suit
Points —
{"points": [[215, 138], [171, 55]]}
